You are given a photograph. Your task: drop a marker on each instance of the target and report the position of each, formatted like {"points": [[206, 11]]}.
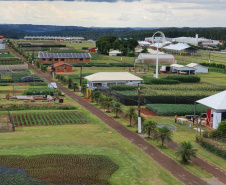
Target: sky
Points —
{"points": [[115, 13]]}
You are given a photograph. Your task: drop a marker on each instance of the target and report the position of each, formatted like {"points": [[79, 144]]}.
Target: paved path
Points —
{"points": [[169, 164]]}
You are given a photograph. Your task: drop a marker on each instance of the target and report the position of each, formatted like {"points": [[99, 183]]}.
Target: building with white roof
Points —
{"points": [[144, 43], [151, 58], [106, 79], [181, 69], [217, 103], [115, 53], [180, 48], [199, 68]]}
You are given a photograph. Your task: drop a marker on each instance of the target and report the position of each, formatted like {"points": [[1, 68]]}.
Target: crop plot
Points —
{"points": [[51, 118], [56, 169]]}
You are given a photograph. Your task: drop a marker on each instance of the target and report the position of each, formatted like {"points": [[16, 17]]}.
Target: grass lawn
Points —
{"points": [[79, 46], [88, 139], [183, 133]]}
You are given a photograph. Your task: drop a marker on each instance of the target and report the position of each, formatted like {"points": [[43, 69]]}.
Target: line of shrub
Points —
{"points": [[32, 91], [97, 64], [38, 83], [3, 84], [184, 79], [175, 109], [148, 80], [212, 64], [34, 107], [211, 147], [123, 87]]}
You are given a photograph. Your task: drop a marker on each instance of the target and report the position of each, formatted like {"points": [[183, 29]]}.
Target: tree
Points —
{"points": [[163, 133], [75, 86], [186, 151], [131, 114], [117, 108], [83, 89], [70, 83], [108, 101], [150, 127], [145, 50], [222, 128], [97, 95]]}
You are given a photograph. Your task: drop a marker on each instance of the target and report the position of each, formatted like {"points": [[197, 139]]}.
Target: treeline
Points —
{"points": [[97, 33]]}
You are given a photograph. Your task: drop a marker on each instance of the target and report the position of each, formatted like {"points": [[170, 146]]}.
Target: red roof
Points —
{"points": [[92, 48], [60, 64], [1, 37]]}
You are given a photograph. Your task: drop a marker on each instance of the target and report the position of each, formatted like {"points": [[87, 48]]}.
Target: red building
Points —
{"points": [[92, 49], [45, 57], [62, 67]]}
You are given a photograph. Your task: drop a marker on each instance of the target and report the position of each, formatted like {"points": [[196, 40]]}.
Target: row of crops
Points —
{"points": [[56, 169], [176, 109], [11, 62], [51, 118]]}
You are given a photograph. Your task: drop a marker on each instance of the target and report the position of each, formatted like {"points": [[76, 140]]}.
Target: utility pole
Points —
{"points": [[81, 78], [194, 111], [209, 57], [139, 118]]}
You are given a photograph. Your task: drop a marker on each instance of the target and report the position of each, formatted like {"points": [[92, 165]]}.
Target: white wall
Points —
{"points": [[201, 69], [2, 46]]}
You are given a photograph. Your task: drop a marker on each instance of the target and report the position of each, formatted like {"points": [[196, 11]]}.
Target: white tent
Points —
{"points": [[144, 43], [217, 103]]}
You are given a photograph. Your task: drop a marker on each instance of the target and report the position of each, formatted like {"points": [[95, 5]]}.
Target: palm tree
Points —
{"points": [[163, 133], [117, 108], [150, 127], [186, 151], [108, 101], [101, 101], [70, 83], [97, 95], [75, 86], [131, 114]]}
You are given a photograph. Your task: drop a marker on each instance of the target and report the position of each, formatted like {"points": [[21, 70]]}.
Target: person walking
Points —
{"points": [[175, 118]]}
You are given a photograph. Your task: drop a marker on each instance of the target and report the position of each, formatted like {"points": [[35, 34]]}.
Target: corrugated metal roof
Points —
{"points": [[177, 47], [152, 56], [113, 76], [63, 55]]}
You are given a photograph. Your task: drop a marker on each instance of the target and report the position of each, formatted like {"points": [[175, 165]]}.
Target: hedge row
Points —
{"points": [[159, 81], [3, 84], [38, 83], [97, 64], [176, 109], [33, 107], [211, 147], [44, 91], [123, 87], [184, 79], [160, 99], [6, 81], [220, 66]]}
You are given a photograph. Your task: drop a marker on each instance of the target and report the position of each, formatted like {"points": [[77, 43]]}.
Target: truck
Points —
{"points": [[30, 79]]}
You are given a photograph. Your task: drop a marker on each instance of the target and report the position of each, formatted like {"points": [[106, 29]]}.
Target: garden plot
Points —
{"points": [[51, 118]]}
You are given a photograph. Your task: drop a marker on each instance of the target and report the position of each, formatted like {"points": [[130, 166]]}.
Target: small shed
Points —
{"points": [[106, 79], [62, 67], [217, 103], [181, 69], [92, 49], [199, 68], [115, 53]]}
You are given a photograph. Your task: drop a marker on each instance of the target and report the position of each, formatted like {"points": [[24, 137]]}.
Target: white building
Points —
{"points": [[144, 43], [115, 53], [181, 69], [151, 58], [199, 68], [217, 103], [106, 79], [2, 46]]}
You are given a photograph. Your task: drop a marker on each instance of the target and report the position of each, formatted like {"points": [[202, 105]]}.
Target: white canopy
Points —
{"points": [[115, 52], [216, 101], [177, 47]]}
